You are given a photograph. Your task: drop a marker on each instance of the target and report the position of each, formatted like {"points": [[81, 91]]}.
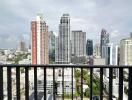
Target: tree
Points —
{"points": [[87, 92], [77, 73]]}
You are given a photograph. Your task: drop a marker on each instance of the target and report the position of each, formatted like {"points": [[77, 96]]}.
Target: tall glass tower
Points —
{"points": [[104, 40], [89, 47]]}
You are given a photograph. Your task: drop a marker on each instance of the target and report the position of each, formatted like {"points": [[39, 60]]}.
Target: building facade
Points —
{"points": [[104, 40], [64, 40], [108, 53], [108, 56], [39, 40], [59, 80], [126, 51], [56, 49], [131, 34], [78, 42], [22, 46], [51, 46], [96, 51], [89, 47]]}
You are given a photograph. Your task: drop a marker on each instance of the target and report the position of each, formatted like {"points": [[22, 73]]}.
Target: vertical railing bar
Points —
{"points": [[101, 83], [45, 83], [1, 82], [81, 83], [91, 83], [130, 84], [18, 83], [54, 90], [110, 83], [62, 83], [9, 83], [35, 83], [26, 83], [120, 83], [72, 82]]}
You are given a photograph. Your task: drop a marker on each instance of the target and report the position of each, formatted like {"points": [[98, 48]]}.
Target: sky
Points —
{"points": [[89, 16]]}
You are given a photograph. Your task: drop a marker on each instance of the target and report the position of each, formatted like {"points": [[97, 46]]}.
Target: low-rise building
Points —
{"points": [[98, 61], [25, 61], [3, 59], [58, 81]]}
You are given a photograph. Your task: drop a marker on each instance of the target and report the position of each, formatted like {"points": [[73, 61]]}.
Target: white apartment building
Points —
{"points": [[58, 80], [25, 61], [108, 56], [3, 59], [126, 51], [67, 81]]}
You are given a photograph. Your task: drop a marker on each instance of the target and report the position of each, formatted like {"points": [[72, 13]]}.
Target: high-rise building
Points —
{"points": [[78, 45], [116, 55], [108, 53], [51, 46], [22, 46], [104, 40], [131, 34], [126, 51], [64, 40], [78, 41], [56, 49], [96, 51], [108, 56], [39, 40], [89, 47]]}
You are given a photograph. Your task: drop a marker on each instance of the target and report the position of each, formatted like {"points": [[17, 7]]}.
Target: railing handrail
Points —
{"points": [[66, 65], [62, 66]]}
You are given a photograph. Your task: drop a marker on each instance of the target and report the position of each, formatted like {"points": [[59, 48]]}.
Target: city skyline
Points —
{"points": [[87, 15], [65, 49]]}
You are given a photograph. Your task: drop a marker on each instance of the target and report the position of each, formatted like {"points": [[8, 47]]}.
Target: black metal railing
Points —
{"points": [[54, 67]]}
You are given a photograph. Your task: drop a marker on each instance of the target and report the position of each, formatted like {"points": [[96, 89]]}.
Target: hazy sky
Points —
{"points": [[87, 15]]}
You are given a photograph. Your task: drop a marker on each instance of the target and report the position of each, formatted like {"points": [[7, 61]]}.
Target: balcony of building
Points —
{"points": [[65, 82]]}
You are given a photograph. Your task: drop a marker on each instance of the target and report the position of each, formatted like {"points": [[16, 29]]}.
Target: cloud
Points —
{"points": [[8, 41], [89, 15], [115, 34]]}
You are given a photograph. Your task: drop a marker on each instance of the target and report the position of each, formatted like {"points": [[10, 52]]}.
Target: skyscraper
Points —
{"points": [[89, 47], [78, 41], [126, 51], [96, 52], [51, 46], [108, 53], [39, 42], [108, 56], [116, 57], [56, 49], [64, 40], [22, 46], [104, 40], [131, 34]]}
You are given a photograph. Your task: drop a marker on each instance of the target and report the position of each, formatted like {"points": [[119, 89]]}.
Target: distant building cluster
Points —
{"points": [[71, 46], [68, 47]]}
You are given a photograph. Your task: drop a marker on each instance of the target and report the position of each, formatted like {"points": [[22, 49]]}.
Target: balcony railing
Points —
{"points": [[44, 68]]}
